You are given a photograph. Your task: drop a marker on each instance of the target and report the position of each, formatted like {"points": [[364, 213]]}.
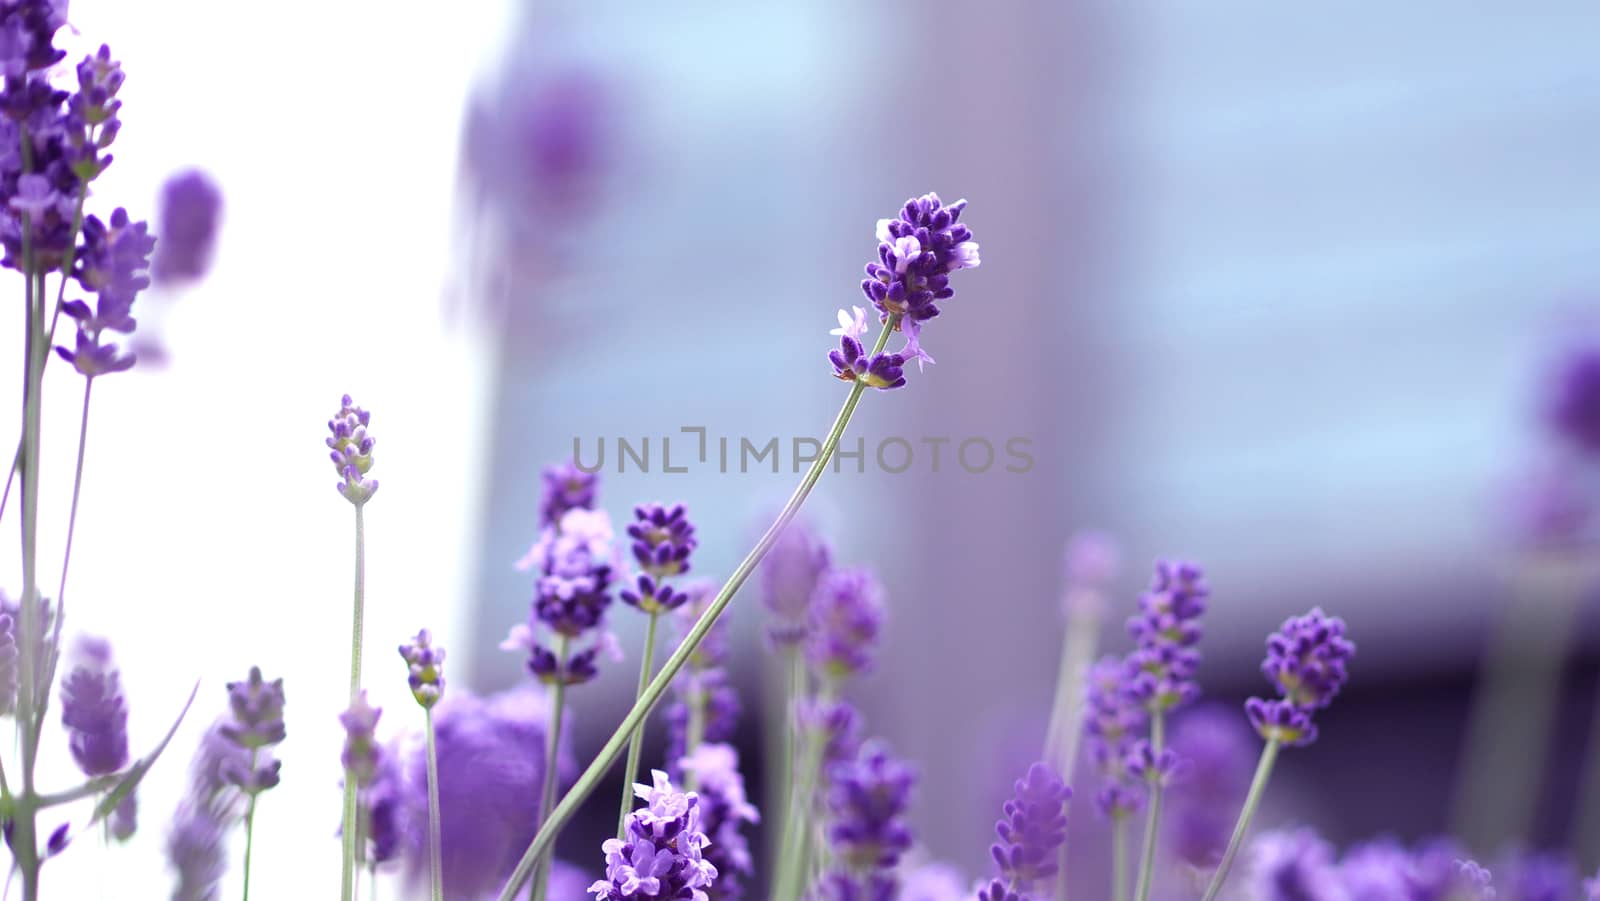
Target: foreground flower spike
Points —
{"points": [[426, 663], [566, 487], [789, 578], [724, 810], [93, 710], [1112, 722], [197, 838], [190, 207], [1307, 661], [867, 830], [660, 854], [1035, 825], [350, 448], [846, 617]]}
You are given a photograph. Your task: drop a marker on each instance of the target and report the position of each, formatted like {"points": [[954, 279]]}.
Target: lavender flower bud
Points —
{"points": [[361, 751], [1035, 825], [789, 577], [93, 711], [257, 724], [350, 448], [846, 616], [663, 538], [566, 487], [1145, 765], [916, 254], [427, 668], [191, 205]]}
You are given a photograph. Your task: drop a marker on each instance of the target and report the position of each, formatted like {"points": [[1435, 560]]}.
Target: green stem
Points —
{"points": [[435, 843], [348, 870], [1258, 787], [552, 749], [1119, 857], [636, 740], [249, 830], [1147, 863], [614, 746], [694, 733], [52, 650], [797, 825], [25, 842]]}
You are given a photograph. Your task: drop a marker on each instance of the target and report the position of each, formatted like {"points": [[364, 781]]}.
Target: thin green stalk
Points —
{"points": [[25, 845], [617, 743], [347, 876], [694, 734], [435, 843], [249, 830], [792, 869], [1147, 864], [1119, 857], [1258, 787], [552, 748], [781, 794], [636, 741]]}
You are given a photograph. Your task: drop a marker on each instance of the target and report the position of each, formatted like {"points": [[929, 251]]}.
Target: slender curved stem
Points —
{"points": [[1258, 787], [249, 830], [636, 741], [435, 842], [1147, 863], [348, 870], [1119, 857], [614, 746], [552, 749]]}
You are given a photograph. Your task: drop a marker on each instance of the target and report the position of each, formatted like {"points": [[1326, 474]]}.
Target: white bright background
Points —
{"points": [[210, 537]]}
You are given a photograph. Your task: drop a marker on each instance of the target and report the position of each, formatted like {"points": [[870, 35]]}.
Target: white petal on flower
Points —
{"points": [[965, 255], [905, 250], [883, 231]]}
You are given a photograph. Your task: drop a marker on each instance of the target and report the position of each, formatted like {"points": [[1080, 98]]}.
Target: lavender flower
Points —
{"points": [[789, 575], [1536, 876], [197, 852], [836, 724], [1145, 765], [191, 205], [575, 561], [1293, 865], [111, 262], [566, 487], [1573, 409], [1111, 724], [94, 712], [383, 813], [361, 751], [1090, 564], [1379, 871], [1218, 754], [1035, 825], [881, 370], [867, 830], [933, 882], [916, 254], [1591, 889], [1166, 631], [426, 663], [724, 810], [257, 724], [663, 538], [1307, 660], [350, 447], [846, 616], [661, 855]]}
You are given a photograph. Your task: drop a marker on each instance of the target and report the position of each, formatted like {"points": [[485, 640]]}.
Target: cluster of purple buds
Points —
{"points": [[916, 254], [789, 575], [1034, 826], [663, 539], [426, 665], [191, 204], [867, 830], [661, 856], [93, 710], [1112, 722], [846, 619], [256, 706], [724, 809], [350, 447], [111, 262], [575, 561], [1307, 661], [1166, 632], [361, 750], [1146, 765]]}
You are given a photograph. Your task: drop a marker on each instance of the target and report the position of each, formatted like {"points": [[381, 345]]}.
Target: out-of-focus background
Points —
{"points": [[1276, 289]]}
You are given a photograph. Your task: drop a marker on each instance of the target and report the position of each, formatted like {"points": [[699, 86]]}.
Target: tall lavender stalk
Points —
{"points": [[350, 447], [916, 254]]}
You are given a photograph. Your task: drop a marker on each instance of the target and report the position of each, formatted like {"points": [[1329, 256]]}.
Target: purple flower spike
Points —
{"points": [[663, 538], [94, 712], [1307, 659], [789, 576], [361, 751], [566, 487], [916, 254], [847, 613], [191, 205], [257, 724], [1219, 754], [111, 263], [867, 802], [426, 663], [661, 855], [350, 447], [1035, 825], [1166, 632], [1112, 721]]}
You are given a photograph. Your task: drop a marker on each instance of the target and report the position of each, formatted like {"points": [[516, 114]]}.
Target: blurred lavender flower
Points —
{"points": [[186, 223], [491, 767], [1307, 660], [933, 882], [361, 751], [1166, 632], [1573, 408], [197, 852], [426, 664], [705, 684], [1145, 765], [1380, 871], [1473, 882], [1538, 876], [566, 487], [350, 447], [93, 710], [846, 617], [1090, 564], [1219, 756], [1112, 721], [836, 724], [1293, 865], [661, 855], [382, 804], [257, 724], [1035, 825], [1549, 505], [789, 576], [724, 810], [1591, 889], [867, 830]]}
